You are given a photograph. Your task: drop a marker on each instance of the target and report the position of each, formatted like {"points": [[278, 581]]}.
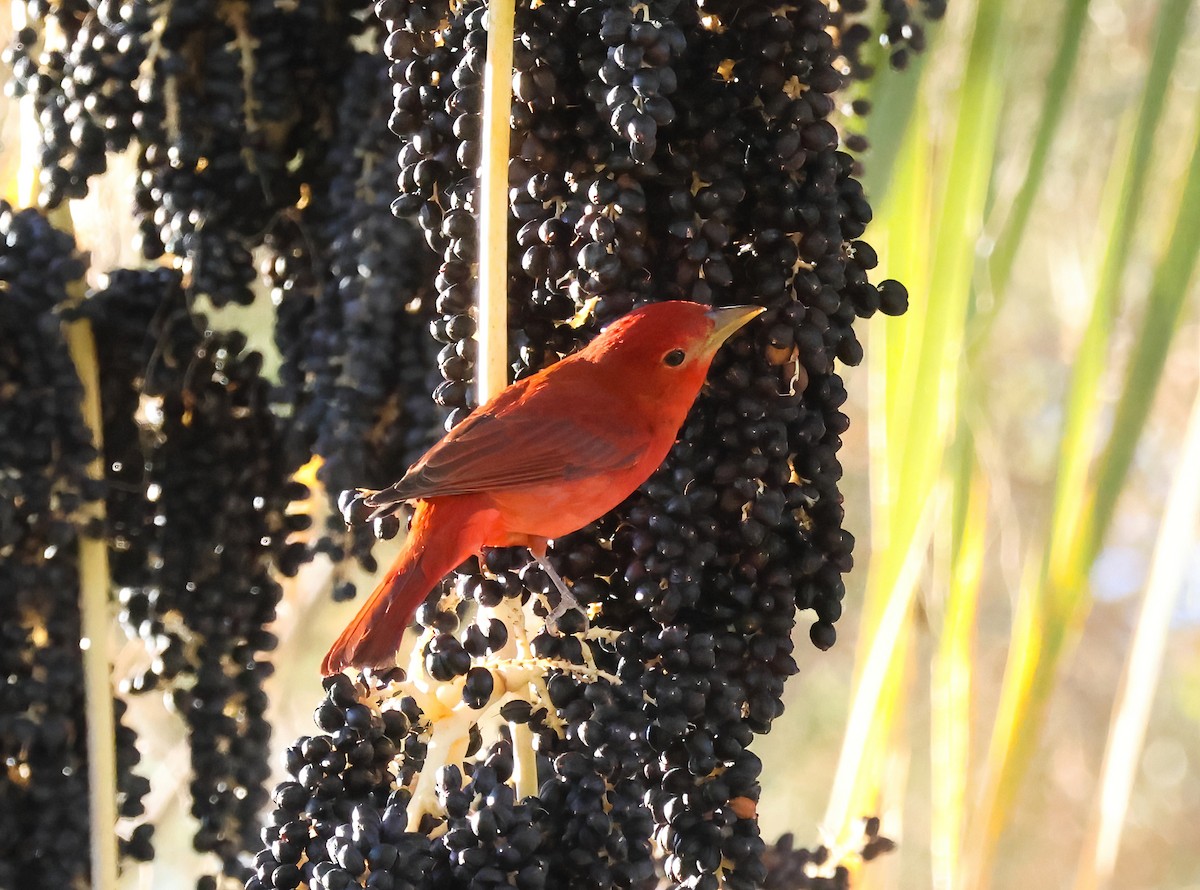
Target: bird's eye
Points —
{"points": [[674, 358]]}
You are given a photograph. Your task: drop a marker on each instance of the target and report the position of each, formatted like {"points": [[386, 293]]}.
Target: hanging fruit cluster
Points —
{"points": [[45, 449]]}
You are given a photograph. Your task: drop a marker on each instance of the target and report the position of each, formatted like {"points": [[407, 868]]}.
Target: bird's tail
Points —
{"points": [[443, 535]]}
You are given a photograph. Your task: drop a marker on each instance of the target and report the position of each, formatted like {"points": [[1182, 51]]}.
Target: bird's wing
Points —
{"points": [[510, 444]]}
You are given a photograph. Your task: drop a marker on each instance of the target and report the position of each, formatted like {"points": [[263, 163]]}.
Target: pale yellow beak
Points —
{"points": [[727, 321]]}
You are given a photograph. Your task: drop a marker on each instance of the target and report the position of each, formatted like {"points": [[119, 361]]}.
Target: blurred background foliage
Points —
{"points": [[1017, 691], [1021, 700]]}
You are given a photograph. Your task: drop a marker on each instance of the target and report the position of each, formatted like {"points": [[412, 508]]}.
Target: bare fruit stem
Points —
{"points": [[491, 371], [95, 622]]}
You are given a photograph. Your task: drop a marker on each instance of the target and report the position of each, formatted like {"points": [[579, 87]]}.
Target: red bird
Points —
{"points": [[545, 457]]}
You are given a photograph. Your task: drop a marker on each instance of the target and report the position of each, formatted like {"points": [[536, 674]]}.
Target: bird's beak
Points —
{"points": [[727, 321]]}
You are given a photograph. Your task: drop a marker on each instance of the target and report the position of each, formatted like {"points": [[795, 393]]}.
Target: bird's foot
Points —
{"points": [[558, 621], [568, 617], [353, 507]]}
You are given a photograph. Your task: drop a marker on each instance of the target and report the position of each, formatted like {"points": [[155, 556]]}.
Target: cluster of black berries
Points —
{"points": [[340, 814], [632, 85], [352, 289], [78, 65], [200, 488], [229, 106], [345, 818], [253, 122], [373, 801], [437, 66], [866, 33], [45, 449], [733, 190], [899, 34], [789, 866]]}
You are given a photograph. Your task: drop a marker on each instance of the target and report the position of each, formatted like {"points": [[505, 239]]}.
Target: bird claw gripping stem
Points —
{"points": [[566, 603]]}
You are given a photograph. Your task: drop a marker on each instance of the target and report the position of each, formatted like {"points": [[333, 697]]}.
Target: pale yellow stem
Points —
{"points": [[95, 622], [491, 369]]}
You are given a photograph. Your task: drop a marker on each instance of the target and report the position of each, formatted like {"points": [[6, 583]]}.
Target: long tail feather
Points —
{"points": [[443, 535]]}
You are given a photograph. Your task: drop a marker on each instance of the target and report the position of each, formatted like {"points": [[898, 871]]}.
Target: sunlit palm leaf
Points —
{"points": [[923, 359], [1060, 597]]}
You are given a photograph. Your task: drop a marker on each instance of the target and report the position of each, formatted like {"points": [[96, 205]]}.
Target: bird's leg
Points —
{"points": [[566, 598]]}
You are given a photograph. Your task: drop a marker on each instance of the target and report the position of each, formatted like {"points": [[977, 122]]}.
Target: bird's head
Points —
{"points": [[668, 345]]}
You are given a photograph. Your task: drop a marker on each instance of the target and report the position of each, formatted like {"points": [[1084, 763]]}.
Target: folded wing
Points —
{"points": [[512, 444]]}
